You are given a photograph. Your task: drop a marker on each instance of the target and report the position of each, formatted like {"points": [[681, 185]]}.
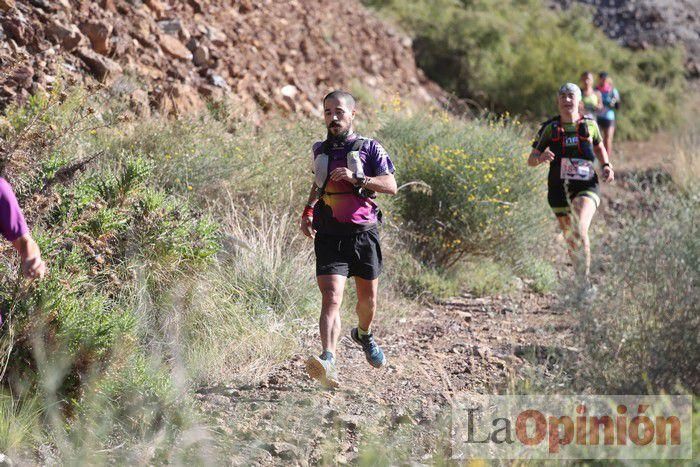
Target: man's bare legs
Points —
{"points": [[366, 302], [332, 287]]}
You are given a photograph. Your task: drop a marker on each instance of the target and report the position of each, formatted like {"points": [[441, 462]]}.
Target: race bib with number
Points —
{"points": [[576, 169]]}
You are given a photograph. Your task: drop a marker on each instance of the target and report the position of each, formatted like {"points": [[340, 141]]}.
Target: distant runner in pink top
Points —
{"points": [[15, 231]]}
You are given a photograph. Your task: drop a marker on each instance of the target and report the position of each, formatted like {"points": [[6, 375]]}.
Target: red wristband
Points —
{"points": [[308, 212]]}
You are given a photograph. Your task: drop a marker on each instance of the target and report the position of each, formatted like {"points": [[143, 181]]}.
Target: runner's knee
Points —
{"points": [[331, 298], [582, 235]]}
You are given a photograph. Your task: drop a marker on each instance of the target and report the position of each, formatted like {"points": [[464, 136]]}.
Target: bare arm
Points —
{"points": [[538, 157], [32, 265], [307, 218], [599, 105], [382, 184], [313, 195], [602, 156], [601, 153]]}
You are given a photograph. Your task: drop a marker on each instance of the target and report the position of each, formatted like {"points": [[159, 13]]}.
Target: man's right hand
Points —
{"points": [[307, 228], [546, 156], [33, 268]]}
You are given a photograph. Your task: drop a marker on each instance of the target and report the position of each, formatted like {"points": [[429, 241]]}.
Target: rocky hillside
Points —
{"points": [[173, 55], [640, 24]]}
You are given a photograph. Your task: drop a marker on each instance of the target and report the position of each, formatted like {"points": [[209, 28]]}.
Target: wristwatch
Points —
{"points": [[361, 179], [607, 164]]}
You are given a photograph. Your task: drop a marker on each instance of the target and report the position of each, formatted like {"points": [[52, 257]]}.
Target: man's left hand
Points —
{"points": [[343, 174]]}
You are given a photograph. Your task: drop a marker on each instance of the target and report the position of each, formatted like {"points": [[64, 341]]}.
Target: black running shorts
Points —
{"points": [[605, 123], [561, 194], [349, 255]]}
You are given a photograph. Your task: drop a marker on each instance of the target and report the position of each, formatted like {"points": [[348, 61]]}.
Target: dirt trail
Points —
{"points": [[467, 345]]}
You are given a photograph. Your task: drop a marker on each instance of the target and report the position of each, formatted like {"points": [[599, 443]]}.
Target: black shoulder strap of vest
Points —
{"points": [[583, 131], [556, 128]]}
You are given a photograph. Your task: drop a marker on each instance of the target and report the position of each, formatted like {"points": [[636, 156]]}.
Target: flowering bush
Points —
{"points": [[469, 189]]}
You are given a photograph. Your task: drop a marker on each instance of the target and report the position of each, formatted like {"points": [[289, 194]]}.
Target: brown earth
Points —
{"points": [[174, 55], [468, 345]]}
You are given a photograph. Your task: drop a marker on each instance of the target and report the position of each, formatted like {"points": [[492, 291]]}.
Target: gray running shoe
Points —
{"points": [[322, 370], [373, 353]]}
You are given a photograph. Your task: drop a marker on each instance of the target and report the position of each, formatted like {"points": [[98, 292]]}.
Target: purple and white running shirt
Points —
{"points": [[347, 213]]}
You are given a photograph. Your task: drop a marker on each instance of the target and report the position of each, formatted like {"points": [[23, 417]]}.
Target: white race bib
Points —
{"points": [[576, 169]]}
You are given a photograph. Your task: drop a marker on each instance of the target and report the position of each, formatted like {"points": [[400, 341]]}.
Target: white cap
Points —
{"points": [[570, 88]]}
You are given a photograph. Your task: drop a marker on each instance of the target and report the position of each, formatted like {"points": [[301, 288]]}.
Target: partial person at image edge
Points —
{"points": [[14, 229]]}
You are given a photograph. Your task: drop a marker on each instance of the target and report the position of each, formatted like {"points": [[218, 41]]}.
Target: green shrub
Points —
{"points": [[645, 315], [640, 335], [83, 341], [483, 276], [245, 311], [420, 282], [685, 168], [474, 191], [513, 55]]}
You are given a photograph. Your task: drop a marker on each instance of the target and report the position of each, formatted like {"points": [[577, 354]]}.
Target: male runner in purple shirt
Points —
{"points": [[342, 218], [15, 231]]}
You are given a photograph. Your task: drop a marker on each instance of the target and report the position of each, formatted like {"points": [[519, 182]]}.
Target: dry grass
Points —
{"points": [[685, 166]]}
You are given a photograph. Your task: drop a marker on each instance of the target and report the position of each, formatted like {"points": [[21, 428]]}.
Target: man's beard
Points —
{"points": [[340, 137]]}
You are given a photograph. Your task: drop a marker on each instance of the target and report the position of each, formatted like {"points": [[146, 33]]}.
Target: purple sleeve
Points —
{"points": [[378, 160], [12, 221]]}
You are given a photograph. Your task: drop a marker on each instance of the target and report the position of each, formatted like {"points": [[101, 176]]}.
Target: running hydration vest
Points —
{"points": [[342, 207], [322, 162], [573, 150], [583, 146]]}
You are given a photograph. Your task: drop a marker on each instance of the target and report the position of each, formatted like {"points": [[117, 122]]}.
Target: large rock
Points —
{"points": [[16, 30], [173, 47], [69, 37], [99, 33], [156, 7], [101, 67], [23, 77], [139, 102], [6, 5], [179, 99], [215, 36], [201, 55]]}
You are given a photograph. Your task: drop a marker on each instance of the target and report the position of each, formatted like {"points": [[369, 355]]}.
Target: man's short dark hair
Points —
{"points": [[340, 95]]}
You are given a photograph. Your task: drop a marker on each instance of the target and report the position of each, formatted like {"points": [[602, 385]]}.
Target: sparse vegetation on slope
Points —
{"points": [[646, 312], [175, 258], [513, 55]]}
